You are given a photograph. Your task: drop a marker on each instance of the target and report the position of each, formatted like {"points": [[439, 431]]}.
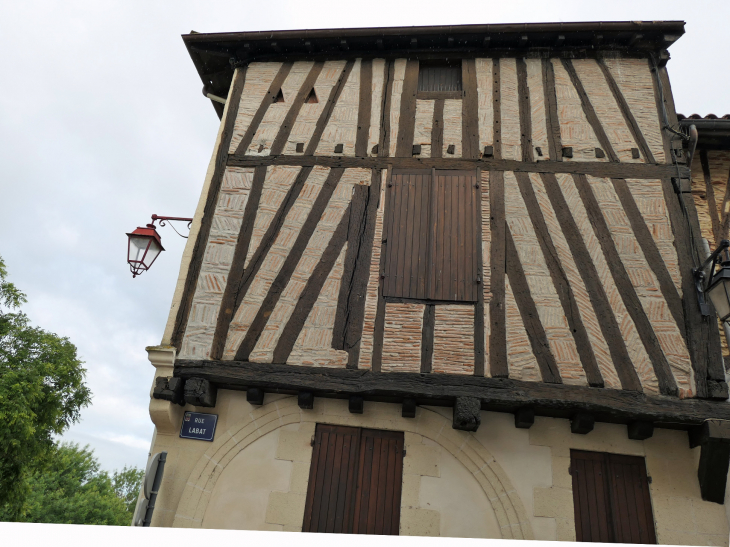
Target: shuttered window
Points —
{"points": [[611, 498], [439, 76], [354, 481], [431, 236]]}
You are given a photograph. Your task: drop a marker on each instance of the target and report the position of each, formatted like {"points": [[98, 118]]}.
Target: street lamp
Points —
{"points": [[144, 244], [717, 285]]}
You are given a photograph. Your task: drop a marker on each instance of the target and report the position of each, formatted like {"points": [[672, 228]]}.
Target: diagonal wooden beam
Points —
{"points": [[311, 291], [596, 292], [287, 269], [290, 119], [651, 252], [528, 312], [239, 277], [201, 241], [589, 111], [629, 118], [324, 117], [263, 107], [560, 282], [665, 378]]}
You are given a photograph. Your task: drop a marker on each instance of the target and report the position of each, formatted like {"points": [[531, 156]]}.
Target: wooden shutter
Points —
{"points": [[439, 77], [431, 236], [354, 481], [380, 474], [611, 498]]}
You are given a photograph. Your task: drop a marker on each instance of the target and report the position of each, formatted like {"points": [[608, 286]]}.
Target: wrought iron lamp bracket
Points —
{"points": [[165, 220], [700, 276]]}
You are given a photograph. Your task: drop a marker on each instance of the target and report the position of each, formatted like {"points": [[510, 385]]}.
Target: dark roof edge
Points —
{"points": [[673, 27]]}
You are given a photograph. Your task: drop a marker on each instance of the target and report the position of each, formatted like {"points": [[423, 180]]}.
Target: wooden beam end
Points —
{"points": [[582, 423], [525, 418], [467, 415], [356, 404], [200, 392], [305, 399], [639, 431], [255, 396]]}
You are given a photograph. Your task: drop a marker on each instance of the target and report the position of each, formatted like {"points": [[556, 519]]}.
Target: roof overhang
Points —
{"points": [[713, 133], [215, 55]]}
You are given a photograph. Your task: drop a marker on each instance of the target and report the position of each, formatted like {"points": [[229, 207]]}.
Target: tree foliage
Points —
{"points": [[42, 391], [72, 489]]}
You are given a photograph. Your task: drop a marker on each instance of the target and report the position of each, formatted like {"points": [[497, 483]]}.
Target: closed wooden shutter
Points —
{"points": [[611, 498], [431, 236], [354, 481]]}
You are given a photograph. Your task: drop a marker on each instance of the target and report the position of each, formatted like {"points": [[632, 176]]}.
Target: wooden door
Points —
{"points": [[611, 498], [354, 481]]}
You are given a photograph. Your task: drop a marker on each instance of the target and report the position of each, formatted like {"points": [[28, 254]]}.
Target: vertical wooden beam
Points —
{"points": [[364, 108], [429, 316], [406, 127], [497, 318], [201, 241], [710, 192], [379, 327], [469, 111], [385, 136], [523, 92], [589, 111], [551, 111], [479, 342], [437, 129], [274, 89], [497, 105]]}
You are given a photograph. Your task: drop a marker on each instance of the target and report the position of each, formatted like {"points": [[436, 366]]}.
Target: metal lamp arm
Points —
{"points": [[699, 275], [172, 219]]}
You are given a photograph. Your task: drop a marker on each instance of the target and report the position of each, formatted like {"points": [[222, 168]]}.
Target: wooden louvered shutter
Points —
{"points": [[354, 481], [331, 491], [611, 498], [380, 474], [454, 237], [431, 236]]}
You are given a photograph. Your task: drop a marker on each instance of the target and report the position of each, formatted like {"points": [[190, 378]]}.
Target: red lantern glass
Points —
{"points": [[143, 247]]}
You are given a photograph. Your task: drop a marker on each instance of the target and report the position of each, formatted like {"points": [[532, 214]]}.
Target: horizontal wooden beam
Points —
{"points": [[496, 394], [596, 169]]}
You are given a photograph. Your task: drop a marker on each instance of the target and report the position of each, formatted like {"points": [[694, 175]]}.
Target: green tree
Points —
{"points": [[71, 488], [41, 393]]}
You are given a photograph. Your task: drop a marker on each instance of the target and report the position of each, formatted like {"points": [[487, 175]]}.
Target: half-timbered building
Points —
{"points": [[440, 282]]}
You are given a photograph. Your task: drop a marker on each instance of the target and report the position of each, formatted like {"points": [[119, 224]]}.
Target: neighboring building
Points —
{"points": [[440, 282]]}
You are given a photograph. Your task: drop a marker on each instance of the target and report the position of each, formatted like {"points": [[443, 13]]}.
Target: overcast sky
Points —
{"points": [[102, 123]]}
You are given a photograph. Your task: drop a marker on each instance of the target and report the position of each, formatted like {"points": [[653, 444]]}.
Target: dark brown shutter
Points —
{"points": [[330, 495], [380, 473], [354, 481], [439, 77], [611, 498], [431, 241]]}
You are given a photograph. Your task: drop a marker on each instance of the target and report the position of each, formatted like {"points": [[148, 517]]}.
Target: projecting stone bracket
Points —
{"points": [[164, 413], [169, 389], [713, 438], [467, 413], [200, 392]]}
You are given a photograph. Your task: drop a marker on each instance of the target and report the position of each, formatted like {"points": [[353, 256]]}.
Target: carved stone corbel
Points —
{"points": [[166, 415]]}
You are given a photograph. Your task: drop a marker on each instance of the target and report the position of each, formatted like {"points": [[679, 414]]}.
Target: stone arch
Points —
{"points": [[503, 497]]}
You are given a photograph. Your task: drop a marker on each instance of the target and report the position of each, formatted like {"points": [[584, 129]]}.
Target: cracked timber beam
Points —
{"points": [[496, 394]]}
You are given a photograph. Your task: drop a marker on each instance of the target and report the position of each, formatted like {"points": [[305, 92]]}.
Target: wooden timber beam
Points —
{"points": [[496, 394], [714, 439], [596, 169]]}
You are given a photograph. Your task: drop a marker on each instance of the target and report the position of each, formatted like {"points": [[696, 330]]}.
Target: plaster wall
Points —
{"points": [[500, 482]]}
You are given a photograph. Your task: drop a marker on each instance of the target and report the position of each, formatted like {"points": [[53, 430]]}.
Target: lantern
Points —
{"points": [[717, 287], [143, 248]]}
